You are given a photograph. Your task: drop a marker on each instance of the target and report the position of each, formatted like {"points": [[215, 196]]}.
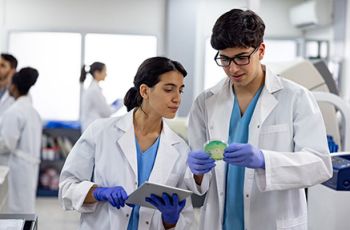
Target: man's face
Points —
{"points": [[243, 75], [5, 73]]}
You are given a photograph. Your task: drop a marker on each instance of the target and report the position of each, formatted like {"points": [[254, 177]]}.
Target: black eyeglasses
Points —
{"points": [[224, 61]]}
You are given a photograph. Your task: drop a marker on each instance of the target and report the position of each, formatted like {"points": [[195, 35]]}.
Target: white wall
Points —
{"points": [[276, 17], [103, 16]]}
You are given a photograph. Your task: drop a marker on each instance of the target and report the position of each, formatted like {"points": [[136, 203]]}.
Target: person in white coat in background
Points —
{"points": [[275, 132], [93, 102], [8, 65], [116, 155], [20, 140]]}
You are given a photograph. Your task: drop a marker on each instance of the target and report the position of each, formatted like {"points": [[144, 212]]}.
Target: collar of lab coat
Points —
{"points": [[221, 103], [167, 154], [26, 99], [94, 84]]}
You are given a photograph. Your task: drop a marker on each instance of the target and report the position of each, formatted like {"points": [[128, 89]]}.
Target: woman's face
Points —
{"points": [[101, 75], [165, 97]]}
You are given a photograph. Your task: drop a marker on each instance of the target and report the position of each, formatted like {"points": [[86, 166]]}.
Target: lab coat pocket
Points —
{"points": [[299, 223], [275, 128], [276, 137]]}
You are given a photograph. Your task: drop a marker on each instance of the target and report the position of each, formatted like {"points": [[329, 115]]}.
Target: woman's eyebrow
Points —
{"points": [[172, 84]]}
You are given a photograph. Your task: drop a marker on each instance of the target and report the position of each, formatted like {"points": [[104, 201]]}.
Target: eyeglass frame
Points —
{"points": [[232, 59]]}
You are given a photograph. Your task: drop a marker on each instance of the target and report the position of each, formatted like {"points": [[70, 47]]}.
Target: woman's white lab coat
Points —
{"points": [[288, 126], [5, 102], [20, 143], [93, 105], [105, 156]]}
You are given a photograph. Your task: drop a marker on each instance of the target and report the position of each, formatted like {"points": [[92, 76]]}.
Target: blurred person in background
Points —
{"points": [[93, 103], [20, 142], [8, 65]]}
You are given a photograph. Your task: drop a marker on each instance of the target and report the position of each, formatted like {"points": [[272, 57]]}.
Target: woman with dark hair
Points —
{"points": [[93, 103], [114, 156], [20, 142]]}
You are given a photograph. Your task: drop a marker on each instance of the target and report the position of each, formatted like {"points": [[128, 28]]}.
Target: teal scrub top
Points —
{"points": [[145, 162], [238, 133]]}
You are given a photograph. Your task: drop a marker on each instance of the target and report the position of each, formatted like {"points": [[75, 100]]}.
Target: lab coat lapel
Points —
{"points": [[264, 107], [167, 156], [268, 101], [219, 123], [221, 103], [127, 140]]}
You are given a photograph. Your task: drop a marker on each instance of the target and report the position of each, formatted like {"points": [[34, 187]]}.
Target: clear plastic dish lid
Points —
{"points": [[215, 149]]}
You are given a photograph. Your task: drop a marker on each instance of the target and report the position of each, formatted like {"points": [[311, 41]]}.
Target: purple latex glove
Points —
{"points": [[116, 196], [170, 207], [117, 104], [199, 162], [244, 155]]}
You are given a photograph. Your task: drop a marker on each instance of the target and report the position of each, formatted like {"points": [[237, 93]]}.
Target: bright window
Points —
{"points": [[213, 73], [280, 50], [57, 58]]}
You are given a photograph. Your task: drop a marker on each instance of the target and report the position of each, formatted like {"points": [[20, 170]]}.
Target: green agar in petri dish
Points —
{"points": [[215, 149]]}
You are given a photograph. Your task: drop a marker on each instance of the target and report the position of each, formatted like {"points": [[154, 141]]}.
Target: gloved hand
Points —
{"points": [[199, 162], [169, 207], [333, 147], [244, 155], [116, 196], [117, 103]]}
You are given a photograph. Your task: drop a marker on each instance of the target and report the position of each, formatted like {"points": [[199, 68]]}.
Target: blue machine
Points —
{"points": [[341, 174]]}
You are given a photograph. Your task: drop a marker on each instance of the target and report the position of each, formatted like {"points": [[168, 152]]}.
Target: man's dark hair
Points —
{"points": [[237, 28], [11, 59]]}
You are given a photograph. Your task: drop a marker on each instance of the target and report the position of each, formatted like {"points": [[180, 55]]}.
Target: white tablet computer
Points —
{"points": [[148, 188]]}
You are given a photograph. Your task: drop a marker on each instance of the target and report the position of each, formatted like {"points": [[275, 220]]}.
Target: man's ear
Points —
{"points": [[261, 51]]}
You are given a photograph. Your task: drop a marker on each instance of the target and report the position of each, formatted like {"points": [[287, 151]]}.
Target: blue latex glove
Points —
{"points": [[244, 155], [199, 162], [333, 147], [116, 196], [169, 207], [117, 104]]}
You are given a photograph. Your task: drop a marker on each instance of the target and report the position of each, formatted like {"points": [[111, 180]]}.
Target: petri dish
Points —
{"points": [[215, 149]]}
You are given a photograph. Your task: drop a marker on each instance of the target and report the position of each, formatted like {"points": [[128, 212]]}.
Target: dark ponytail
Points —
{"points": [[82, 74], [25, 79], [149, 74], [132, 98], [96, 66]]}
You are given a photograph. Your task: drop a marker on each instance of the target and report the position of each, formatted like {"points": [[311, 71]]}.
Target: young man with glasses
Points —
{"points": [[275, 133]]}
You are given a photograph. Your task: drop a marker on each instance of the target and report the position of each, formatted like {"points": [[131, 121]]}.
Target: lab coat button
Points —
{"points": [[127, 215], [258, 126], [247, 195], [135, 183], [147, 222]]}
